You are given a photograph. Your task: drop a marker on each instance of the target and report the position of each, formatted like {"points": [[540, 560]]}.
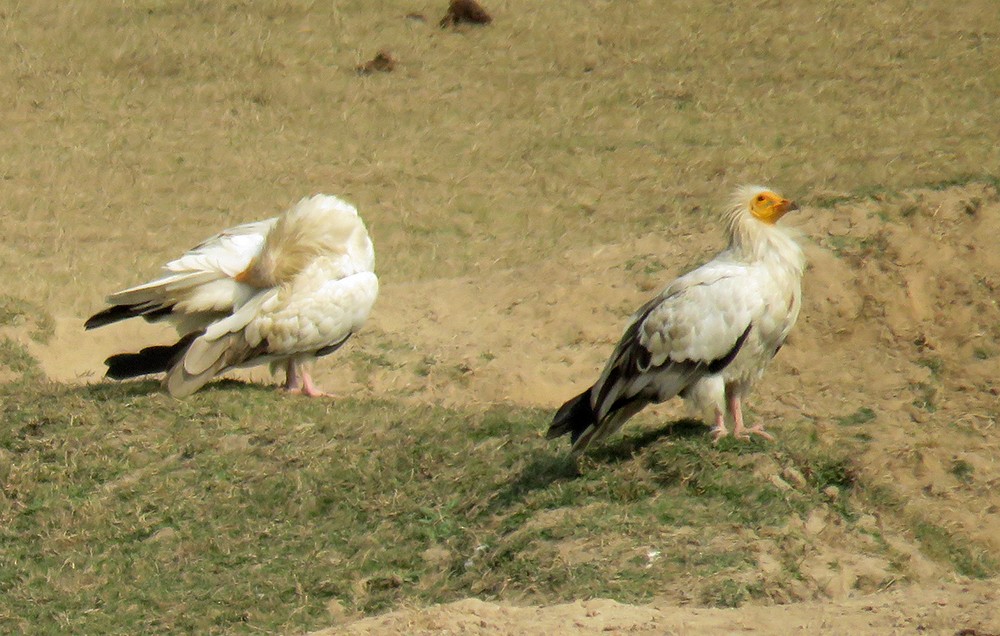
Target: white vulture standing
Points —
{"points": [[284, 291], [708, 336]]}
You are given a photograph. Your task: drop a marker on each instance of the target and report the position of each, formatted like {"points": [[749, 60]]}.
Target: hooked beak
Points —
{"points": [[786, 206]]}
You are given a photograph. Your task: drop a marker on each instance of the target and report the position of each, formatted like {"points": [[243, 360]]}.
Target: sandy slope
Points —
{"points": [[941, 609]]}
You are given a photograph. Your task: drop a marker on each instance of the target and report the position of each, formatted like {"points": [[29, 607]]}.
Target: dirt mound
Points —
{"points": [[944, 609]]}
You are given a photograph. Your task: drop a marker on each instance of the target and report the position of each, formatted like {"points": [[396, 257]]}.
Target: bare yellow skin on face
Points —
{"points": [[769, 207]]}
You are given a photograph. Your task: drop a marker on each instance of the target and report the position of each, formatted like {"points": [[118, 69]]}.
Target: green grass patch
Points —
{"points": [[863, 415], [968, 559], [125, 511], [933, 363], [878, 192], [15, 312], [14, 357], [925, 396], [828, 201], [645, 264], [962, 470], [965, 179], [731, 593], [861, 193], [857, 250]]}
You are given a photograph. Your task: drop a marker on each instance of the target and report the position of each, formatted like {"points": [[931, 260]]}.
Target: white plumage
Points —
{"points": [[284, 290], [708, 336]]}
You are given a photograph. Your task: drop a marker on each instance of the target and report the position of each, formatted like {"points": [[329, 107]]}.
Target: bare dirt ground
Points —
{"points": [[529, 185], [943, 609]]}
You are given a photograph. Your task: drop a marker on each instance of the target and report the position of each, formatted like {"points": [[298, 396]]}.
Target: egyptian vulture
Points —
{"points": [[708, 336], [283, 291]]}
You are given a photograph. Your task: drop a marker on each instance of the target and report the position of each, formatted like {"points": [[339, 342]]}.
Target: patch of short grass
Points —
{"points": [[880, 192], [125, 511], [857, 250], [862, 416], [965, 179], [861, 193], [940, 544], [982, 353], [15, 359], [933, 363], [962, 470], [965, 556], [15, 312], [731, 593], [645, 264], [925, 396], [241, 509]]}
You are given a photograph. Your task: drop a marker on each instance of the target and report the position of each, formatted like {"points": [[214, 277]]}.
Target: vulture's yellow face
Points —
{"points": [[769, 207]]}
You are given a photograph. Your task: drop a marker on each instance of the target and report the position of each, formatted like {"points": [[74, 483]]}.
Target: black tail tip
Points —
{"points": [[157, 359], [149, 312], [123, 366], [111, 315], [573, 418]]}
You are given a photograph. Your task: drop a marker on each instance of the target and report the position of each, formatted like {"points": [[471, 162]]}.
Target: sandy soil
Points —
{"points": [[943, 609]]}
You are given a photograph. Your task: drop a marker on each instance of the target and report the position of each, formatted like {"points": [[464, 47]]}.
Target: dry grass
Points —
{"points": [[152, 124]]}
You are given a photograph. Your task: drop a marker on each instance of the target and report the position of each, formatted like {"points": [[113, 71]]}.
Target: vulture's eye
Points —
{"points": [[760, 198]]}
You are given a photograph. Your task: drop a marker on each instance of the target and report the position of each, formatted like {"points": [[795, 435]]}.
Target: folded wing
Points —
{"points": [[693, 328], [195, 288]]}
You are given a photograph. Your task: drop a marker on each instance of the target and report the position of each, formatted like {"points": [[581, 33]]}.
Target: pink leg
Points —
{"points": [[739, 431], [299, 382], [309, 389], [719, 430]]}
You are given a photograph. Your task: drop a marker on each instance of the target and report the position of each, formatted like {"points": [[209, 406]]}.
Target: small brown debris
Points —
{"points": [[382, 583], [416, 17], [383, 62], [468, 11]]}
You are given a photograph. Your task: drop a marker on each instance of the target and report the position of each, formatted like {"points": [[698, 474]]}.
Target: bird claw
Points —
{"points": [[747, 434], [309, 392], [718, 433]]}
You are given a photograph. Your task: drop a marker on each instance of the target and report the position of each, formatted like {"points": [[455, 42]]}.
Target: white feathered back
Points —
{"points": [[320, 225]]}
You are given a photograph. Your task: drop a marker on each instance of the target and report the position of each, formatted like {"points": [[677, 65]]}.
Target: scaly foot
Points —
{"points": [[299, 382], [307, 389], [758, 430], [739, 431], [719, 430]]}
